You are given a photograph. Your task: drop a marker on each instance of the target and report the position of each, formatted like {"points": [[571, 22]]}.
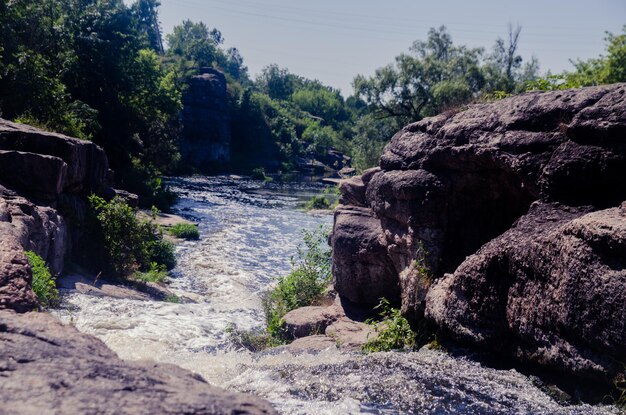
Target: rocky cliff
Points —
{"points": [[44, 365], [206, 123], [44, 178], [501, 223]]}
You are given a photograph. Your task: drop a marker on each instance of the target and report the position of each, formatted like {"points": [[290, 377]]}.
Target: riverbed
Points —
{"points": [[249, 232]]}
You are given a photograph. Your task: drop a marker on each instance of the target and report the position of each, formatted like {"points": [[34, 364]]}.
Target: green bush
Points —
{"points": [[185, 231], [318, 202], [309, 278], [259, 174], [156, 273], [43, 283], [394, 331], [130, 244]]}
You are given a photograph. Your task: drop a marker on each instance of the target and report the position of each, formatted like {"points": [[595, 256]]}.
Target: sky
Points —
{"points": [[334, 40]]}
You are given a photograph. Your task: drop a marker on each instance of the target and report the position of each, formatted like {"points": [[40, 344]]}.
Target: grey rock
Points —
{"points": [[551, 290], [47, 367]]}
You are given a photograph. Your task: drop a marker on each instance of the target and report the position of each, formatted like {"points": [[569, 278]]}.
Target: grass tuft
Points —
{"points": [[185, 231]]}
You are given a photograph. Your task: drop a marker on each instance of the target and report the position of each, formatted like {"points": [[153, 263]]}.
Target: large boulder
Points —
{"points": [[48, 367], [551, 290], [449, 184]]}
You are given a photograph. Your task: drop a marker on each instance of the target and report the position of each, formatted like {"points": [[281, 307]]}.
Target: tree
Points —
{"points": [[596, 71], [504, 70], [195, 42], [146, 14], [277, 82], [436, 75]]}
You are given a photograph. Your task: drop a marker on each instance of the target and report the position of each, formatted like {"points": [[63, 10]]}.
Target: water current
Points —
{"points": [[249, 231]]}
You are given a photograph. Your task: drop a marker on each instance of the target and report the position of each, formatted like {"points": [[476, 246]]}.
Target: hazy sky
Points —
{"points": [[334, 40]]}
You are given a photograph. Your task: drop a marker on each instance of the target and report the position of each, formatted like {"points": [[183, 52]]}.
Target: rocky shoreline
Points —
{"points": [[45, 365]]}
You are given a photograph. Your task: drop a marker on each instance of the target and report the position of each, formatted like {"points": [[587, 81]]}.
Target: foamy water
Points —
{"points": [[249, 231]]}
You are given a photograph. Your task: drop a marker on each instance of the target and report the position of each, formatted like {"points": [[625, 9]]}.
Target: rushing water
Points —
{"points": [[249, 231]]}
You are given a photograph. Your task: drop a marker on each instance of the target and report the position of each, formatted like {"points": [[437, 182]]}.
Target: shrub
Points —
{"points": [[318, 202], [394, 331], [310, 276], [259, 174], [185, 231], [130, 244], [156, 273], [43, 284], [253, 340]]}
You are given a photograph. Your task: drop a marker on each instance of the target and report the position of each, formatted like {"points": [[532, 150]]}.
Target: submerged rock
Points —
{"points": [[48, 367], [548, 291]]}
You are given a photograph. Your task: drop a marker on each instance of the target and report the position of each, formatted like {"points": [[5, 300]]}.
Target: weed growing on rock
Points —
{"points": [[394, 331], [303, 286], [254, 340], [185, 231], [318, 202], [156, 273], [307, 281], [130, 244], [43, 283], [172, 298]]}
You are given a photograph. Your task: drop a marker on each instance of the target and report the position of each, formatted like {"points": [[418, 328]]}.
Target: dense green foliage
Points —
{"points": [[99, 70], [393, 331], [43, 283], [130, 244], [606, 69], [185, 231], [90, 69]]}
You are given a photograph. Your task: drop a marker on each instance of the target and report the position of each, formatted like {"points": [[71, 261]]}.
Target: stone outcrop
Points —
{"points": [[340, 324], [44, 178], [47, 367], [551, 290], [525, 173], [206, 121]]}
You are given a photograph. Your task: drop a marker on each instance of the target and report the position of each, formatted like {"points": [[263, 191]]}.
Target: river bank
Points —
{"points": [[249, 230]]}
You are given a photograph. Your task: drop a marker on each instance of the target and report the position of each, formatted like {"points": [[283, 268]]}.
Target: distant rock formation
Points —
{"points": [[206, 136], [537, 181]]}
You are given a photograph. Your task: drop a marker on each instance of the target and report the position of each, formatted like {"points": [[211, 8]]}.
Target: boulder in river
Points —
{"points": [[536, 180]]}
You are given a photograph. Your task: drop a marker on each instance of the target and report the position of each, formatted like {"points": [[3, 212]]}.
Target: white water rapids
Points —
{"points": [[249, 231]]}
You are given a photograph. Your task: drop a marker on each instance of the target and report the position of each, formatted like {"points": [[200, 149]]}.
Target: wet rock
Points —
{"points": [[49, 367], [549, 291]]}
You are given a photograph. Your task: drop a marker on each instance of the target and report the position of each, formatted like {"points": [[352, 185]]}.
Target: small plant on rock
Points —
{"points": [[307, 281], [43, 283], [394, 331]]}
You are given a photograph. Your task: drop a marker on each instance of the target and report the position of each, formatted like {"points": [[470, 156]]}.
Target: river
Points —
{"points": [[249, 231]]}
